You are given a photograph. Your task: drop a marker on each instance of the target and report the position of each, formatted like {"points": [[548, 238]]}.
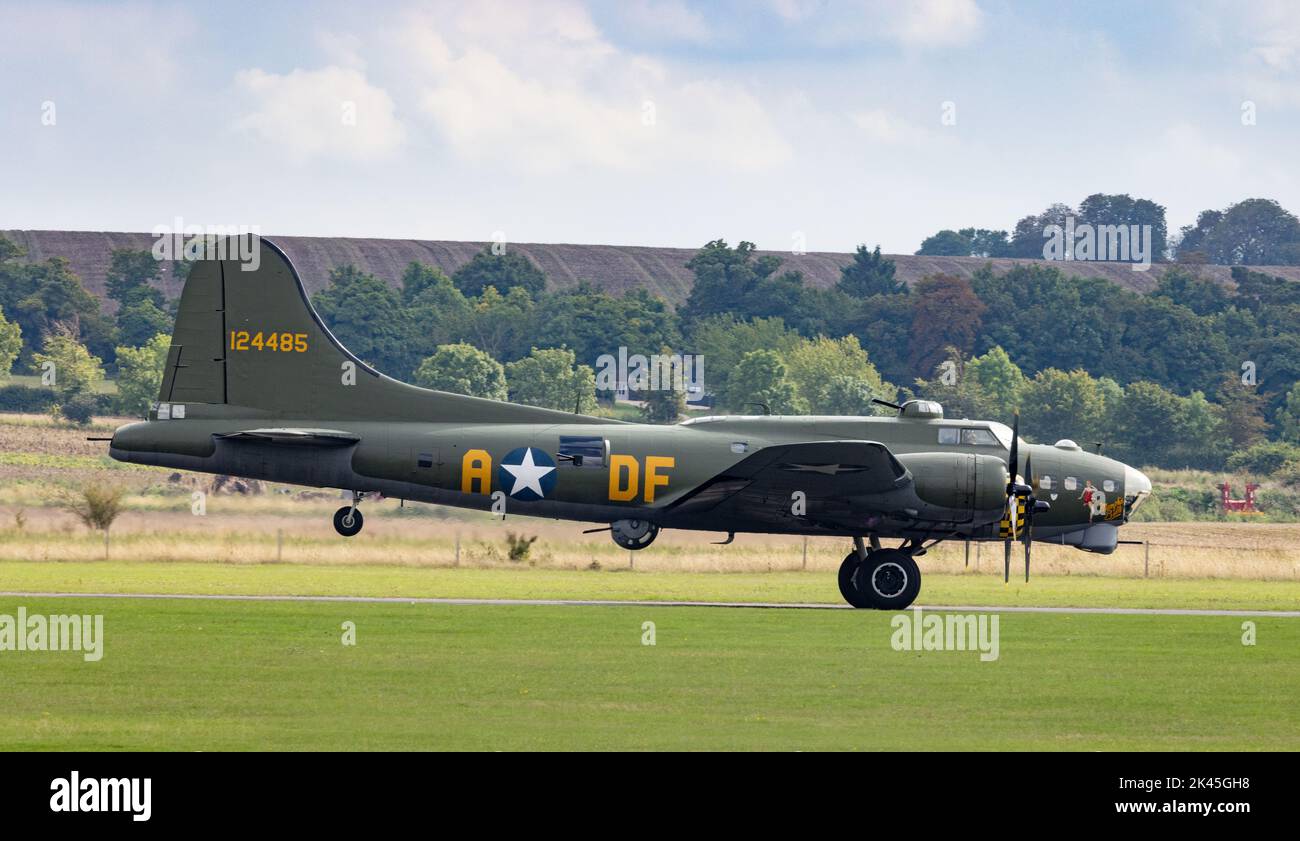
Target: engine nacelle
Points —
{"points": [[959, 481]]}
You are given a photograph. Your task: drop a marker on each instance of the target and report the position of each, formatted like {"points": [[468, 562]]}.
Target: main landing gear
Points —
{"points": [[879, 578], [630, 534], [348, 520]]}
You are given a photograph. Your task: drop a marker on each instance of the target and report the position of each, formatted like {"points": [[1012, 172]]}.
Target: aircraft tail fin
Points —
{"points": [[246, 335]]}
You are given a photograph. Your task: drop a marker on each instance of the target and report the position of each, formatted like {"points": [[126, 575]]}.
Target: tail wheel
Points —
{"points": [[348, 520], [848, 590], [888, 579]]}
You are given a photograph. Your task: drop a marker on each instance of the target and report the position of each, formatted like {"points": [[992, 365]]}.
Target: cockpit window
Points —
{"points": [[978, 438], [968, 436], [1003, 433]]}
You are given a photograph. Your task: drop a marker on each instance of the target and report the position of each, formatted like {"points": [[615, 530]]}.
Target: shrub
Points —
{"points": [[1265, 458], [518, 546], [80, 409], [97, 506], [25, 398]]}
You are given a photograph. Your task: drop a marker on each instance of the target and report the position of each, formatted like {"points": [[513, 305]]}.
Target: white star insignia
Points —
{"points": [[528, 475]]}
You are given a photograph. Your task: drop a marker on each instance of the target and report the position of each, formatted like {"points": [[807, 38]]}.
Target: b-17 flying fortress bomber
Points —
{"points": [[256, 386]]}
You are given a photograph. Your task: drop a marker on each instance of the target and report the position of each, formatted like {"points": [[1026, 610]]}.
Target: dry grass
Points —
{"points": [[40, 460], [1183, 550]]}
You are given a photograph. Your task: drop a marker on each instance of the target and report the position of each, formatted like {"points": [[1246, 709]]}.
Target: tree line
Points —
{"points": [[1192, 374], [1253, 232]]}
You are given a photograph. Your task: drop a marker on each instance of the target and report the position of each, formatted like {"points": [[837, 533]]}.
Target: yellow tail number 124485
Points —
{"points": [[282, 342]]}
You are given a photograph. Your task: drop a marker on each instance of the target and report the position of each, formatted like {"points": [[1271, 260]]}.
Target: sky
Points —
{"points": [[794, 124]]}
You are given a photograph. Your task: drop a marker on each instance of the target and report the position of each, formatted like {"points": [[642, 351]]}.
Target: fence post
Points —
{"points": [[1146, 559], [279, 545], [805, 553], [457, 563]]}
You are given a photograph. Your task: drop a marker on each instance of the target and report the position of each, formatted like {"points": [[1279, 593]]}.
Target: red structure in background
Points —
{"points": [[1246, 505]]}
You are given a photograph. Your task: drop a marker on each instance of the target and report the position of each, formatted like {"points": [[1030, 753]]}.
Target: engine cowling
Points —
{"points": [[959, 481]]}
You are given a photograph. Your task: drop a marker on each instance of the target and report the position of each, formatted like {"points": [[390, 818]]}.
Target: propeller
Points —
{"points": [[1015, 493]]}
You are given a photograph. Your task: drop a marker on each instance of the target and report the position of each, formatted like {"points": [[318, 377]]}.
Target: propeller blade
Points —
{"points": [[1013, 463], [1006, 561], [1029, 542]]}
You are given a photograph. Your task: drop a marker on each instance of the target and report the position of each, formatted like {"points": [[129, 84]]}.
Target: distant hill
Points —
{"points": [[615, 268]]}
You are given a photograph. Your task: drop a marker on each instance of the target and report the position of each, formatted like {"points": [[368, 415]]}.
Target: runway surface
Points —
{"points": [[1113, 611]]}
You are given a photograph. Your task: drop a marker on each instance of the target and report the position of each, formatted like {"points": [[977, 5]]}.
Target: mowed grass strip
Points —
{"points": [[232, 675], [529, 583]]}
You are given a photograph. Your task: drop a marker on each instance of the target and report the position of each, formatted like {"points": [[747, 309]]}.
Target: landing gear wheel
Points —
{"points": [[889, 579], [847, 588], [633, 534], [348, 521]]}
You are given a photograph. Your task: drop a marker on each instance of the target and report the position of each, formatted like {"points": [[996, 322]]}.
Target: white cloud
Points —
{"points": [[881, 126], [934, 23], [669, 19], [130, 48], [332, 112], [1273, 28], [920, 24], [546, 92]]}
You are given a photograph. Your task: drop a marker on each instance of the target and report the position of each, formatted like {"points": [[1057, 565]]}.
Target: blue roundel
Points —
{"points": [[527, 474]]}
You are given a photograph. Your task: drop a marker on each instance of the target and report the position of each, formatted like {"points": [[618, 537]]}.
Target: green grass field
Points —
{"points": [[236, 675], [528, 583]]}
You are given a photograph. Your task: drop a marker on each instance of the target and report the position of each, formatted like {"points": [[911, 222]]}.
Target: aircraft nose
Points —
{"points": [[1137, 487]]}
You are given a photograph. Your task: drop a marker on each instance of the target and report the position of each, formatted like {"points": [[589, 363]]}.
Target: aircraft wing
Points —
{"points": [[295, 436], [837, 478]]}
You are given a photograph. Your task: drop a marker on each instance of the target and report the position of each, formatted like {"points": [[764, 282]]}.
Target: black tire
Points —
{"points": [[348, 522], [889, 580], [847, 590]]}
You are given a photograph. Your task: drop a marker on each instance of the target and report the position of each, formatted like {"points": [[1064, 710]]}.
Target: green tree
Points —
{"points": [[1027, 239], [11, 343], [549, 377], [434, 311], [999, 381], [140, 373], [463, 369], [946, 313], [367, 317], [38, 297], [1288, 416], [1183, 285], [665, 404], [1124, 210], [946, 243], [75, 369], [818, 369], [1264, 458], [593, 322], [130, 277], [502, 325], [1242, 409], [139, 321], [1254, 232], [1059, 404], [738, 282], [760, 377], [504, 271], [723, 340], [1152, 425], [987, 243], [870, 273]]}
